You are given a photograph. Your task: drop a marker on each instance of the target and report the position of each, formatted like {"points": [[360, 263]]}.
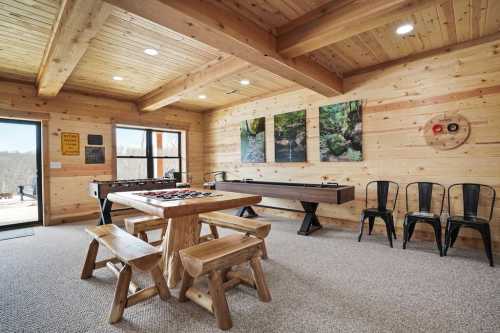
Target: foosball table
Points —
{"points": [[100, 190]]}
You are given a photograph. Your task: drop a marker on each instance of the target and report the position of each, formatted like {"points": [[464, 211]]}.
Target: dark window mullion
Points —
{"points": [[125, 156], [149, 153]]}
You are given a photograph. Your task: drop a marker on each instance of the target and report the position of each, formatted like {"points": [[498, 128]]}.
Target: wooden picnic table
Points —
{"points": [[183, 228]]}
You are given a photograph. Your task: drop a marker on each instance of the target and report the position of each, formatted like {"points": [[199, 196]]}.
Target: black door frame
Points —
{"points": [[39, 182]]}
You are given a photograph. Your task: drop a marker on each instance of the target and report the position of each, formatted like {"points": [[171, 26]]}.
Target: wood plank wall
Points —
{"points": [[398, 102], [70, 112]]}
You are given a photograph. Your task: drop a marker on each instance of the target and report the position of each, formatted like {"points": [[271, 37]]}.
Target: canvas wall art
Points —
{"points": [[253, 140], [290, 137], [340, 132]]}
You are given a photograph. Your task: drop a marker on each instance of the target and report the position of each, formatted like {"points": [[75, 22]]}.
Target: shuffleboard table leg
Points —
{"points": [[310, 222], [246, 209], [105, 206]]}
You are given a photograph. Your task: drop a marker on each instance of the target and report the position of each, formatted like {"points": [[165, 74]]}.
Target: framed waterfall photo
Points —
{"points": [[340, 132], [253, 140], [290, 137]]}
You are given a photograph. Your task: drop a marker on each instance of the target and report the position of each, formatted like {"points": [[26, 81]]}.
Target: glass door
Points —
{"points": [[20, 171]]}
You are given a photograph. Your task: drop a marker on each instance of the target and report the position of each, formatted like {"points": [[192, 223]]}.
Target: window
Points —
{"points": [[147, 152]]}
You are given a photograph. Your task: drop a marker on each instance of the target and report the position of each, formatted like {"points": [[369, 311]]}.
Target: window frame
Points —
{"points": [[149, 157]]}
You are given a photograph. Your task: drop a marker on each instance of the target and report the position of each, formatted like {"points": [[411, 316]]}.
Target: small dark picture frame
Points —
{"points": [[94, 139]]}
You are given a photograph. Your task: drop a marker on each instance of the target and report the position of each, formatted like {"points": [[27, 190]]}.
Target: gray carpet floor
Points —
{"points": [[327, 282]]}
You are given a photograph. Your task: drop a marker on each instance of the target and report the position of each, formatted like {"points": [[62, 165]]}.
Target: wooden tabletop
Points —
{"points": [[168, 209]]}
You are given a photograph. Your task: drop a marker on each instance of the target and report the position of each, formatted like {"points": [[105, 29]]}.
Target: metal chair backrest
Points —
{"points": [[383, 190], [426, 191], [471, 199]]}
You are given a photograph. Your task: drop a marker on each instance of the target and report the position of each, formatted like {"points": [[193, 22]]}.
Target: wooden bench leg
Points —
{"points": [[214, 231], [186, 283], [89, 265], [163, 231], [260, 281], [160, 283], [221, 309], [264, 250], [121, 292]]}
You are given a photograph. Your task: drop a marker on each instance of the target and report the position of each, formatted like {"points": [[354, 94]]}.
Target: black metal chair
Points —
{"points": [[425, 212], [469, 217], [383, 189]]}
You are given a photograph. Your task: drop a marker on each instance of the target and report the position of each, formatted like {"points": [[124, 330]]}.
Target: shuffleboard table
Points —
{"points": [[309, 195]]}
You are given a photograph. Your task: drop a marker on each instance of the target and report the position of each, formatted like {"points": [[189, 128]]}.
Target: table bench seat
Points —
{"points": [[215, 258], [139, 225], [131, 252], [256, 228]]}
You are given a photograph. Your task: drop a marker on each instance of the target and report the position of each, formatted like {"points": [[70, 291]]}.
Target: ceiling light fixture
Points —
{"points": [[202, 96], [117, 78], [404, 29], [245, 82], [151, 52]]}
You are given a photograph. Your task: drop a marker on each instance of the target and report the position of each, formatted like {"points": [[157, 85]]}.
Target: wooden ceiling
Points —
{"points": [[25, 27], [187, 67], [447, 23], [117, 50]]}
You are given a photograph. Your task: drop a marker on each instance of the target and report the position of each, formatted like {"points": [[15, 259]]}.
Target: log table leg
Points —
{"points": [[182, 232]]}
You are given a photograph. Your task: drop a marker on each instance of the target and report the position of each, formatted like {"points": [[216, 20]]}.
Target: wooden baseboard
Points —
{"points": [[422, 232], [90, 216]]}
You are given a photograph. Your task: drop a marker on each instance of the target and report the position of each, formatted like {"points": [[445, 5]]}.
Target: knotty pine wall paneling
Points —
{"points": [[70, 112], [397, 103]]}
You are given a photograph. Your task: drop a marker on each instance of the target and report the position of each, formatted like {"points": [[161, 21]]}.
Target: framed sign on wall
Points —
{"points": [[94, 155], [70, 143]]}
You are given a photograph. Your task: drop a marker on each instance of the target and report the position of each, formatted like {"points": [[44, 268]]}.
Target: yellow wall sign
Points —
{"points": [[70, 143]]}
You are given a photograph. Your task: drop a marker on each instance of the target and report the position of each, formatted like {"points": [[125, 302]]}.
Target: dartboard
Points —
{"points": [[446, 132]]}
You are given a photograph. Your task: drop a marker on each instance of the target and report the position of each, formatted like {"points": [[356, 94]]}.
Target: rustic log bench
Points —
{"points": [[255, 228], [214, 258], [131, 252], [139, 225]]}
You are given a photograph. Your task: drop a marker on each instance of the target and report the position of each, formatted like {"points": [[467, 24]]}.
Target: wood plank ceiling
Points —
{"points": [[25, 27], [117, 49]]}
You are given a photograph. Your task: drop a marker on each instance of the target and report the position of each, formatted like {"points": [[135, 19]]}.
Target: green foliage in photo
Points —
{"points": [[340, 131]]}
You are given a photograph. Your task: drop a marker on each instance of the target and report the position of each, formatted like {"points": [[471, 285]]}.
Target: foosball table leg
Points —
{"points": [[310, 222], [105, 206], [246, 209]]}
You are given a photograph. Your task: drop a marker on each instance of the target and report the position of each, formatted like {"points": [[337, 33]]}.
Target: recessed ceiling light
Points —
{"points": [[245, 82], [117, 78], [202, 96], [404, 29], [151, 52]]}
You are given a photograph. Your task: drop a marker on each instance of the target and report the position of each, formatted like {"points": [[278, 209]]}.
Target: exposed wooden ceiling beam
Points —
{"points": [[77, 23], [234, 35], [339, 20], [174, 90]]}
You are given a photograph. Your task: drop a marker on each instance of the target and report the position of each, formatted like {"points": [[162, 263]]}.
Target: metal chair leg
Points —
{"points": [[388, 228], [486, 235], [361, 224], [371, 223]]}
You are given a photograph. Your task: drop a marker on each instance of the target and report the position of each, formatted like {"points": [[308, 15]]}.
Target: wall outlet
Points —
{"points": [[55, 165]]}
